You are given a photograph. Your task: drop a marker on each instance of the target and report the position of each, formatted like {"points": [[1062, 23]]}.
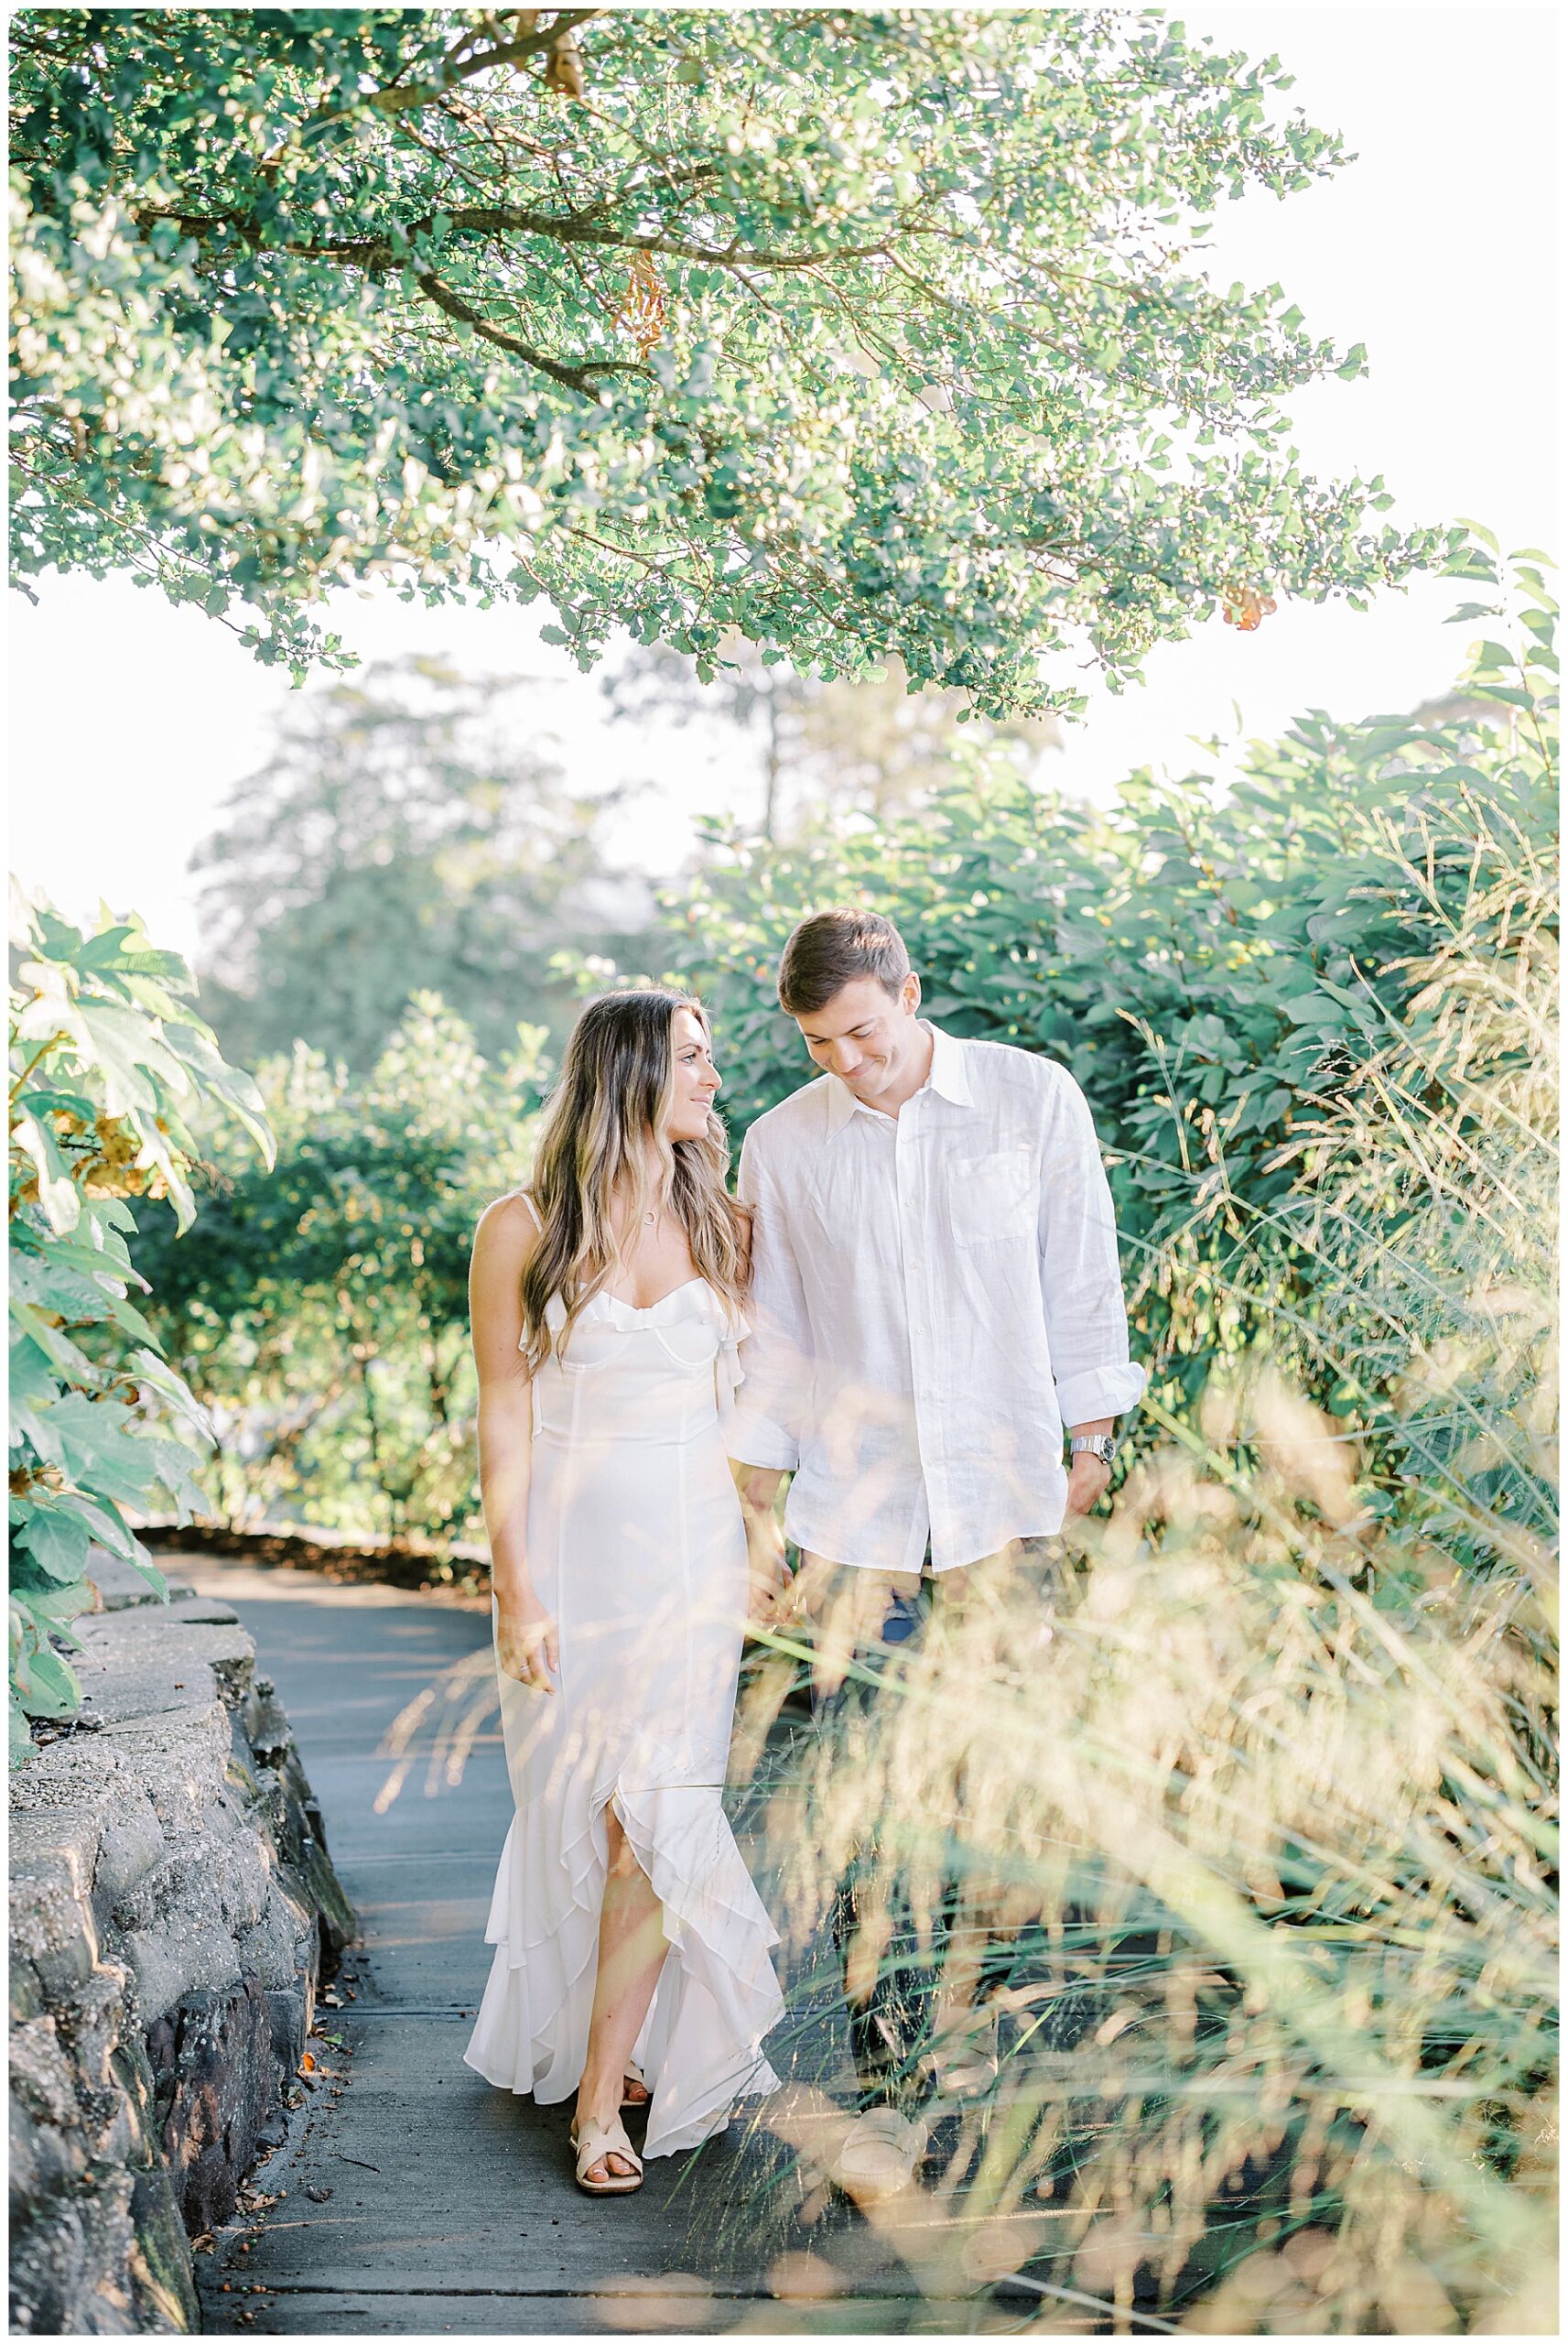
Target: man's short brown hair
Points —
{"points": [[831, 949]]}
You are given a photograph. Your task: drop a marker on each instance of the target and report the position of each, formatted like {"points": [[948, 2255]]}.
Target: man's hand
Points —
{"points": [[1087, 1478], [1086, 1483]]}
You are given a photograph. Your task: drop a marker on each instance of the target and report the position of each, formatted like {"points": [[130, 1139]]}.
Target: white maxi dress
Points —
{"points": [[636, 1544]]}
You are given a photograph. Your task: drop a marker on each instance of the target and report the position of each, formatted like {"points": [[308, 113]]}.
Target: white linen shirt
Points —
{"points": [[934, 1295]]}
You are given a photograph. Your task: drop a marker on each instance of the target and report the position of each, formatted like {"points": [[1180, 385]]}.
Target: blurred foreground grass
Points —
{"points": [[1232, 1850], [1235, 1854]]}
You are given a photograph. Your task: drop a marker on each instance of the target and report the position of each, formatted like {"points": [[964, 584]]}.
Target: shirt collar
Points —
{"points": [[949, 1077]]}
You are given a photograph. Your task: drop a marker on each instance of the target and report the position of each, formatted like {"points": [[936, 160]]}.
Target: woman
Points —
{"points": [[631, 1958]]}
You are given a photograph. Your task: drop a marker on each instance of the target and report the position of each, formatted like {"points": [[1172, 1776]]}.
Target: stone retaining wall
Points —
{"points": [[173, 1906]]}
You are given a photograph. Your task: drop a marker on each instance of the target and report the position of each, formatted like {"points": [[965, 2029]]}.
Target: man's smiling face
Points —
{"points": [[868, 1037]]}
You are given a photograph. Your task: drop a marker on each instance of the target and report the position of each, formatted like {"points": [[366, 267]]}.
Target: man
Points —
{"points": [[936, 1294]]}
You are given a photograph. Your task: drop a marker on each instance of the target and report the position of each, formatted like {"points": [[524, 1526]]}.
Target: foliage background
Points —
{"points": [[863, 332], [322, 1319], [411, 833], [799, 344], [109, 1066], [1221, 972]]}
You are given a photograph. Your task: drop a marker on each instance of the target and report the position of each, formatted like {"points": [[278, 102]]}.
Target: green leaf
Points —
{"points": [[58, 1541], [50, 1689], [56, 1191]]}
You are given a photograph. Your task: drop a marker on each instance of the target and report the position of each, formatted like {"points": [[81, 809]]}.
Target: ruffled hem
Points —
{"points": [[717, 1997], [554, 1862]]}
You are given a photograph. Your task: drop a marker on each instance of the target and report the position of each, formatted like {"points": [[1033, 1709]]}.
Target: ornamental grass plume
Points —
{"points": [[1252, 1888], [1233, 1846]]}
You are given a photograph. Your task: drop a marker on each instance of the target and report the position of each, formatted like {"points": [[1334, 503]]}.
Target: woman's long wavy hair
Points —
{"points": [[614, 1089]]}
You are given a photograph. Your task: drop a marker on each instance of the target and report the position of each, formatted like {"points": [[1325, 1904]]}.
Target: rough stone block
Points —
{"points": [[133, 1842], [122, 1588], [44, 2161], [281, 1947], [170, 1905], [288, 2009], [162, 2284], [215, 2061], [52, 1926], [176, 1957], [70, 2273]]}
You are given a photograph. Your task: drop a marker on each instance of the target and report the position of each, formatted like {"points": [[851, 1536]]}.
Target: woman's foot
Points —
{"points": [[621, 2165], [634, 2092], [607, 2163]]}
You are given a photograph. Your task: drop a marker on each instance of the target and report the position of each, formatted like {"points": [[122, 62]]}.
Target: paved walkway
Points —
{"points": [[418, 2199]]}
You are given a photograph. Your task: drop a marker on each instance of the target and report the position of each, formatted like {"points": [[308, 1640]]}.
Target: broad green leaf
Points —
{"points": [[58, 1541]]}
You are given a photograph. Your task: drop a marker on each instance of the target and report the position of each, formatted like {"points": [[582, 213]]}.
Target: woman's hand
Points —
{"points": [[525, 1641], [766, 1569]]}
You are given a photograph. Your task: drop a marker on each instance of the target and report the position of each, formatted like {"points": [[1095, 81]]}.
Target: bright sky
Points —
{"points": [[129, 719]]}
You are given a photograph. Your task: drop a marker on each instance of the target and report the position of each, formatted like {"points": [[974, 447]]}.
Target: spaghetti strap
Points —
{"points": [[533, 1209]]}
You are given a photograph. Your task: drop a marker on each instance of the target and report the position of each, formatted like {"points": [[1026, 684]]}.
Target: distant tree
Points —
{"points": [[398, 842], [873, 747], [861, 330]]}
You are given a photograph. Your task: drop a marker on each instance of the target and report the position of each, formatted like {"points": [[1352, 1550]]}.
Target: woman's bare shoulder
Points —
{"points": [[508, 1225]]}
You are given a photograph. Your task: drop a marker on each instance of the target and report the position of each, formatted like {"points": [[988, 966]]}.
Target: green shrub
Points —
{"points": [[322, 1319], [1220, 973], [107, 1063]]}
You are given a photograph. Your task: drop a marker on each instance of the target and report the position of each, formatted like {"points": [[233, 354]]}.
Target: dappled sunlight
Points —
{"points": [[432, 1737]]}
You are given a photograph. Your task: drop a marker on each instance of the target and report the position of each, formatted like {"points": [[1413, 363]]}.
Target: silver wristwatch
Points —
{"points": [[1098, 1444]]}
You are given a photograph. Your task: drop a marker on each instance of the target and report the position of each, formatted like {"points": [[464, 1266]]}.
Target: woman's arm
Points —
{"points": [[758, 1488], [775, 1358], [525, 1633]]}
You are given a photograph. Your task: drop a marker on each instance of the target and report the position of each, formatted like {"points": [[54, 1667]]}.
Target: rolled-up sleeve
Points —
{"points": [[1080, 1273], [765, 1425]]}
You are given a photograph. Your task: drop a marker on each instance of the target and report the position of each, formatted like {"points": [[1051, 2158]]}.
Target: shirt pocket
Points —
{"points": [[993, 1197]]}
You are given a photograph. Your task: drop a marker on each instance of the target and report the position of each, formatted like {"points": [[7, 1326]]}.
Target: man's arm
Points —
{"points": [[1080, 1282]]}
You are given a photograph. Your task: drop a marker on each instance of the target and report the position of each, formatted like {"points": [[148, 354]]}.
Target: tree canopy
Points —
{"points": [[407, 835], [861, 331]]}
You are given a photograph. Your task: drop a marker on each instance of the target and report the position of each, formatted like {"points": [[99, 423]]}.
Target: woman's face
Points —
{"points": [[695, 1084]]}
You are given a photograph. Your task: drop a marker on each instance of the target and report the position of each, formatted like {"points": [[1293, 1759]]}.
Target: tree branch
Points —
{"points": [[566, 228], [575, 378], [394, 101]]}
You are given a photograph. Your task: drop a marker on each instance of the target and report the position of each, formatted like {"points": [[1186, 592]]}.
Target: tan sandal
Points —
{"points": [[635, 2076], [596, 2144]]}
